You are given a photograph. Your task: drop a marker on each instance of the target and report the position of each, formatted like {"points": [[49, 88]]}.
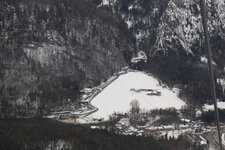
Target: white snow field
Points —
{"points": [[117, 96]]}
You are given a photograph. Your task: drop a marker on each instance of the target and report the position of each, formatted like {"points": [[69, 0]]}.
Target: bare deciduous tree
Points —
{"points": [[135, 106]]}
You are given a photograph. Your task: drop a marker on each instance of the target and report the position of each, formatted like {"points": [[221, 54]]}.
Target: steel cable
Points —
{"points": [[210, 66]]}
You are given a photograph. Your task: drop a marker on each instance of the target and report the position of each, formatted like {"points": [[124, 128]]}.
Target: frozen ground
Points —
{"points": [[174, 133], [220, 105], [117, 96]]}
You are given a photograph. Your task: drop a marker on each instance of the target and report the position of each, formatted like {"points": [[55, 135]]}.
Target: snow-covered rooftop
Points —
{"points": [[140, 56]]}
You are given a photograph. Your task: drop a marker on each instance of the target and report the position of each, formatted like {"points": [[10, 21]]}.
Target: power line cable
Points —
{"points": [[211, 74]]}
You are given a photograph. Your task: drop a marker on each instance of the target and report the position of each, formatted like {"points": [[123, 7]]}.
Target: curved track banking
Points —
{"points": [[99, 89]]}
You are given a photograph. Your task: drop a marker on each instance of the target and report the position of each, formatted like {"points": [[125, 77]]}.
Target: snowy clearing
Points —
{"points": [[118, 95], [221, 105]]}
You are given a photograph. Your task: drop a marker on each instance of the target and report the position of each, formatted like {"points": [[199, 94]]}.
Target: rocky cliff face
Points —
{"points": [[181, 24], [170, 32], [51, 49], [169, 25]]}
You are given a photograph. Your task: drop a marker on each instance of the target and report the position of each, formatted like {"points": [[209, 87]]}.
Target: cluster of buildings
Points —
{"points": [[149, 91]]}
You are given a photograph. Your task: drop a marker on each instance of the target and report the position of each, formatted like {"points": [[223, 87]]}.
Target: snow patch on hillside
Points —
{"points": [[108, 2], [129, 24], [44, 52], [205, 60], [221, 105], [105, 2], [118, 95]]}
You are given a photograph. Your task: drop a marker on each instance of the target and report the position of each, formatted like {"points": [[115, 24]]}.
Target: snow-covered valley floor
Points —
{"points": [[117, 96]]}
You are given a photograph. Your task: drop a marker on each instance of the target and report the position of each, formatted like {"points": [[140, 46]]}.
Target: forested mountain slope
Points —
{"points": [[50, 49]]}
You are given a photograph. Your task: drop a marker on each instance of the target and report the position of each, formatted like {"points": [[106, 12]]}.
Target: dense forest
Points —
{"points": [[209, 116], [47, 134], [51, 49]]}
